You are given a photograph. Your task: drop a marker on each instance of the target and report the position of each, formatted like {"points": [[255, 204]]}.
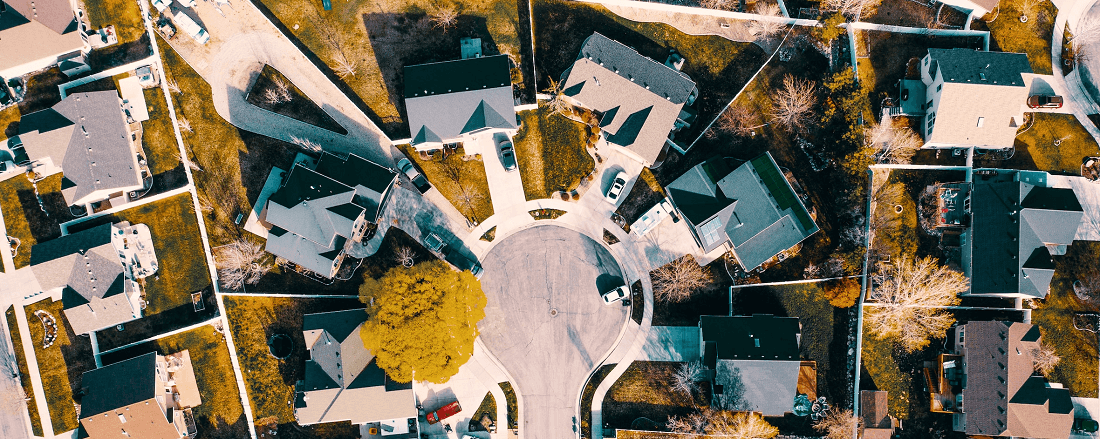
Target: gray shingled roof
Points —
{"points": [[768, 387], [97, 153], [86, 265], [639, 97], [448, 99], [750, 205], [55, 14], [1004, 397], [1013, 224], [119, 385]]}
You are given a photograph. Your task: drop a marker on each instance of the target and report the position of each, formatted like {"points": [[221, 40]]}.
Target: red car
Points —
{"points": [[444, 412], [1039, 101]]}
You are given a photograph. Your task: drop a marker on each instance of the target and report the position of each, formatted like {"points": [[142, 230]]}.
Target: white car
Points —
{"points": [[616, 189], [615, 295]]}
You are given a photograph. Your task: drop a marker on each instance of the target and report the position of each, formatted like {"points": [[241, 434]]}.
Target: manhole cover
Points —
{"points": [[553, 312]]}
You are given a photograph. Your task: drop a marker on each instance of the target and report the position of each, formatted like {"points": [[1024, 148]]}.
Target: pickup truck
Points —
{"points": [[444, 412], [191, 28], [434, 243]]}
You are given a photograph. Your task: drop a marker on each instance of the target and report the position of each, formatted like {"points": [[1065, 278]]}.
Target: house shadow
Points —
{"points": [[757, 300], [260, 155], [401, 40]]}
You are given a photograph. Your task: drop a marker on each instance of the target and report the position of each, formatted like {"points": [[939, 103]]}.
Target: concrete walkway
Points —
{"points": [[242, 41], [32, 369]]}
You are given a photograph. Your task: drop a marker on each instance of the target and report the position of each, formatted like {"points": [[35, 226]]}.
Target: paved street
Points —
{"points": [[528, 276], [12, 407]]}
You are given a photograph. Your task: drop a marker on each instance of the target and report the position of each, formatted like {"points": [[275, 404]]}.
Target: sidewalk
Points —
{"points": [[32, 369]]}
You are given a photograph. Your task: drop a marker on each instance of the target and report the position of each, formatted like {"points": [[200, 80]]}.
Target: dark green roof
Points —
{"points": [[340, 324], [458, 75], [118, 385], [968, 66], [347, 210], [355, 170], [756, 337], [305, 184]]}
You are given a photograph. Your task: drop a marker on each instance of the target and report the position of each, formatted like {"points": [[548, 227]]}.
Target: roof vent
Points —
{"points": [[982, 76]]}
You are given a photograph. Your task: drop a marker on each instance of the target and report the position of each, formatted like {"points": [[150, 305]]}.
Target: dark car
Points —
{"points": [[507, 153], [1040, 101], [450, 254], [417, 178]]}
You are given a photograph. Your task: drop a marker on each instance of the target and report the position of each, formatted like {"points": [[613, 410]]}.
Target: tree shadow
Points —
{"points": [[401, 40], [44, 224], [120, 54], [757, 300], [214, 427]]}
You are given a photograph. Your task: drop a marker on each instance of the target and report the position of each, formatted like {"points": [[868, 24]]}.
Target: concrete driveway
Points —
{"points": [[505, 187], [545, 320]]}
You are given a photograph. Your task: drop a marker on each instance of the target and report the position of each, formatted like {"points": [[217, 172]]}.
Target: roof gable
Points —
{"points": [[969, 66], [55, 14]]}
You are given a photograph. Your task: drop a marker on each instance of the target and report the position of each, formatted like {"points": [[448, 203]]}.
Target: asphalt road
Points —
{"points": [[12, 406], [527, 276]]}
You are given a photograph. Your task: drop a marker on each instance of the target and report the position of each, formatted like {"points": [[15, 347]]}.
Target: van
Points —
{"points": [[192, 28]]}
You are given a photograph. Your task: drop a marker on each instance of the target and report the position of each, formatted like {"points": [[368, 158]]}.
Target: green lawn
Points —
{"points": [[551, 151], [15, 220], [24, 371], [125, 15], [1008, 34], [24, 217], [158, 137], [178, 244], [61, 365], [8, 116], [270, 382], [383, 36], [513, 404], [878, 359], [214, 145], [1047, 128], [475, 202]]}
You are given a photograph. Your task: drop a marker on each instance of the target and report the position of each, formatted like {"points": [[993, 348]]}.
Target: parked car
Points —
{"points": [[1085, 425], [616, 188], [417, 178], [615, 295], [444, 412], [1040, 101], [507, 153], [461, 262], [192, 28]]}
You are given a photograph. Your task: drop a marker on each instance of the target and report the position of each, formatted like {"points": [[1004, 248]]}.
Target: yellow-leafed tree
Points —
{"points": [[422, 321]]}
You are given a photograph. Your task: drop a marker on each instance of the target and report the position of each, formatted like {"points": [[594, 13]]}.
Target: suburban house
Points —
{"points": [[148, 397], [967, 98], [87, 138], [95, 272], [51, 25], [320, 212], [754, 362], [874, 408], [989, 385], [748, 207], [640, 103], [342, 382], [449, 102], [976, 8], [1010, 224]]}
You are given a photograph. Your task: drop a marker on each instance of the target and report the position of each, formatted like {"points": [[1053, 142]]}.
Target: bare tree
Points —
{"points": [[722, 5], [794, 103], [278, 93], [1027, 7], [173, 86], [444, 16], [1086, 33], [692, 424], [306, 144], [739, 119], [1045, 358], [893, 143], [557, 103], [909, 297], [205, 205], [677, 280], [468, 196], [741, 425], [241, 263], [687, 377], [850, 8], [183, 124], [345, 67], [839, 424], [404, 256], [767, 29]]}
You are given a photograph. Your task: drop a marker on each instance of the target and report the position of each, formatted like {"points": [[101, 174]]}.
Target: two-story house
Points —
{"points": [[36, 34], [147, 397]]}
